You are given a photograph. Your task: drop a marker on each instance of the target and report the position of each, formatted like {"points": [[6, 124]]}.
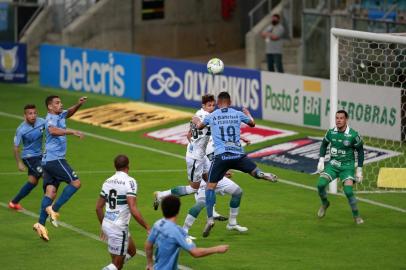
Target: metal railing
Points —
{"points": [[264, 4]]}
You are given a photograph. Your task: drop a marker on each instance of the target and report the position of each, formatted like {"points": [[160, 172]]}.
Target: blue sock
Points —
{"points": [[24, 191], [68, 191], [46, 201], [210, 202]]}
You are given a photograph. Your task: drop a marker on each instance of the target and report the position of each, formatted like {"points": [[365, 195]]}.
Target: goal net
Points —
{"points": [[372, 67]]}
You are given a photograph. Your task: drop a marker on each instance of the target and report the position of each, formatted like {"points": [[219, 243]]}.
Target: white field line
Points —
{"points": [[80, 231], [292, 183]]}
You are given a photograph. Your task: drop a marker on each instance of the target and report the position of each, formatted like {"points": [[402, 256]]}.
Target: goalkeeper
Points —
{"points": [[343, 141]]}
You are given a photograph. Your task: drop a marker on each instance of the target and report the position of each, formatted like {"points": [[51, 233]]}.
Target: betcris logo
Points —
{"points": [[183, 83], [93, 71]]}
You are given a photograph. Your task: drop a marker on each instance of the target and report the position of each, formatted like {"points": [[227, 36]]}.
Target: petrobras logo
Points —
{"points": [[100, 72], [244, 91], [98, 77]]}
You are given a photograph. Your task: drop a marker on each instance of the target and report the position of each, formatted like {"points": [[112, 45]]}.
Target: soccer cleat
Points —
{"points": [[157, 201], [192, 237], [220, 218], [207, 228], [41, 231], [236, 227], [53, 216], [268, 177], [15, 206], [358, 220], [322, 210]]}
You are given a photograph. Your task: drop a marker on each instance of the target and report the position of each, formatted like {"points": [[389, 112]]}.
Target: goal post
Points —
{"points": [[373, 59]]}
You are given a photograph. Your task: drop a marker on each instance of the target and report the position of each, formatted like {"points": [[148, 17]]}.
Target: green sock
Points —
{"points": [[321, 187], [351, 200]]}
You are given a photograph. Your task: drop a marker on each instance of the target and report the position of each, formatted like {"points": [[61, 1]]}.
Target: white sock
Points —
{"points": [[233, 216], [163, 194], [110, 267], [127, 257], [189, 220], [215, 213], [190, 190]]}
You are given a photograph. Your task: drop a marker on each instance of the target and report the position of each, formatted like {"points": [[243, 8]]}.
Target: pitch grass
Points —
{"points": [[284, 232]]}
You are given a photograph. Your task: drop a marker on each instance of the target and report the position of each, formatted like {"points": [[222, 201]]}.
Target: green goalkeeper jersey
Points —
{"points": [[342, 147]]}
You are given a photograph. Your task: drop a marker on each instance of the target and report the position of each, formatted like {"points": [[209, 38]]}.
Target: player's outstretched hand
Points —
{"points": [[21, 166], [320, 165], [79, 134], [246, 111], [196, 120], [358, 176], [82, 100], [222, 248]]}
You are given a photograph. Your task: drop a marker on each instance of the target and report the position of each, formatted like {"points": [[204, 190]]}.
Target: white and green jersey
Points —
{"points": [[115, 190], [342, 147], [196, 149]]}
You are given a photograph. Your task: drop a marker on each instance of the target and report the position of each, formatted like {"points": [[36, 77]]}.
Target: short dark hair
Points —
{"points": [[121, 162], [49, 99], [224, 96], [207, 98], [344, 112], [170, 206], [29, 106]]}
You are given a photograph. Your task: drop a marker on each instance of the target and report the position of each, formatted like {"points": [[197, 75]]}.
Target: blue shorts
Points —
{"points": [[57, 171], [34, 166], [226, 161]]}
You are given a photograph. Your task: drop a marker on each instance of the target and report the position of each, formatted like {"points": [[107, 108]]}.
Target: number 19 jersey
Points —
{"points": [[225, 130], [115, 191]]}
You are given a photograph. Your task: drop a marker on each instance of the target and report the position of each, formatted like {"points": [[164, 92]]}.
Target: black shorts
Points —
{"points": [[226, 161], [34, 166], [57, 171]]}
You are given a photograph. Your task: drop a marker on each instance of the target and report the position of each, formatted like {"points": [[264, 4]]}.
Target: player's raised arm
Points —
{"points": [[250, 121], [72, 110], [54, 131], [202, 252], [198, 123]]}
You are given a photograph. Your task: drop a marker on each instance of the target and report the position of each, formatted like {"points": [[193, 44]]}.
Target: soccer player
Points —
{"points": [[225, 128], [225, 186], [118, 194], [56, 168], [169, 237], [29, 133], [343, 141], [195, 157]]}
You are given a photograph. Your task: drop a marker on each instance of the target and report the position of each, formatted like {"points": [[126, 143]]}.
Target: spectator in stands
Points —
{"points": [[273, 35]]}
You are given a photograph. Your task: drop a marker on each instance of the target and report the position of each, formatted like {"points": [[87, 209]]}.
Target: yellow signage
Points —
{"points": [[312, 85], [392, 177], [129, 116]]}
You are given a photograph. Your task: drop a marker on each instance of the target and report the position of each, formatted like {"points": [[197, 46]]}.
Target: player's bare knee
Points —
{"points": [[76, 183], [348, 182]]}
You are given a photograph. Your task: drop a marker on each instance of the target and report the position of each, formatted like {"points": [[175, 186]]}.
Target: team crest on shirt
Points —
{"points": [[39, 169], [189, 240], [346, 143]]}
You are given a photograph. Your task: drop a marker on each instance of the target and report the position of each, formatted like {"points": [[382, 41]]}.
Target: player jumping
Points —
{"points": [[225, 125], [56, 168], [344, 141], [29, 133]]}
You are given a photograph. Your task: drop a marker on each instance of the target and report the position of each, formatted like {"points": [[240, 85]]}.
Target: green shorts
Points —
{"points": [[344, 173]]}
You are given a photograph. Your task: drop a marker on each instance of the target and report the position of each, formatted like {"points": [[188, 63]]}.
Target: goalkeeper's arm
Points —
{"points": [[323, 147], [360, 150]]}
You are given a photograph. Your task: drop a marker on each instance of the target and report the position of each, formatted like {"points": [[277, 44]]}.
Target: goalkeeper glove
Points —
{"points": [[358, 175], [320, 165]]}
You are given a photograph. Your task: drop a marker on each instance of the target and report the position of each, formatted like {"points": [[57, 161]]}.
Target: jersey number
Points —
{"points": [[230, 134], [112, 199]]}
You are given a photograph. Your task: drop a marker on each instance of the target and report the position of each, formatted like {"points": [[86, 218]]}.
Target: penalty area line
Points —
{"points": [[81, 232]]}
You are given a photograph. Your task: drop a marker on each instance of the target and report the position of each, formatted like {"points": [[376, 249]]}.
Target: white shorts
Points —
{"points": [[196, 168], [117, 238], [224, 186]]}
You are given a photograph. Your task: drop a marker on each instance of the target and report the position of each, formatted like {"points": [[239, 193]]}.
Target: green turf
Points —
{"points": [[284, 232]]}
